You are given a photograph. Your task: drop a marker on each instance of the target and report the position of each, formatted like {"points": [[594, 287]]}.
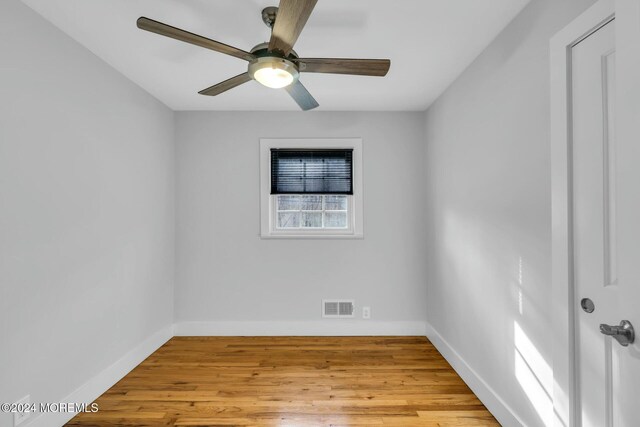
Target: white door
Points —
{"points": [[594, 213], [606, 233], [626, 411]]}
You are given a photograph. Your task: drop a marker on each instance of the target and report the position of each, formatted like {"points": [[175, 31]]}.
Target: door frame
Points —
{"points": [[565, 376]]}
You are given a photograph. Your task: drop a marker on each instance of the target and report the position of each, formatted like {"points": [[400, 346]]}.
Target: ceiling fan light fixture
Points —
{"points": [[273, 72]]}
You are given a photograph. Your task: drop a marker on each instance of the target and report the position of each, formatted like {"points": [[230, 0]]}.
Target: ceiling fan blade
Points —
{"points": [[290, 20], [226, 85], [301, 95], [360, 67], [187, 37]]}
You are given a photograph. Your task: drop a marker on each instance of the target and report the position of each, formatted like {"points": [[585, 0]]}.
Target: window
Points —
{"points": [[311, 212], [311, 188]]}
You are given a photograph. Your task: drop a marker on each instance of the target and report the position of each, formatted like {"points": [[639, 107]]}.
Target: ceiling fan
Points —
{"points": [[275, 64]]}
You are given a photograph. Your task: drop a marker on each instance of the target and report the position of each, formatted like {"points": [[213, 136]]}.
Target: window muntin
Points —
{"points": [[304, 211]]}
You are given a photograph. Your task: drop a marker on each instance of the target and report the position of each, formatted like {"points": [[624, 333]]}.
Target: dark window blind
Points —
{"points": [[311, 171]]}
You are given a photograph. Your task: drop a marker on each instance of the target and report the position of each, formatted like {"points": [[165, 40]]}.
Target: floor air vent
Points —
{"points": [[337, 308]]}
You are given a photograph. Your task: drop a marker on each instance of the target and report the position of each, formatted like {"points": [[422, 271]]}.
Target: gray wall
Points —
{"points": [[489, 209], [225, 272], [86, 212]]}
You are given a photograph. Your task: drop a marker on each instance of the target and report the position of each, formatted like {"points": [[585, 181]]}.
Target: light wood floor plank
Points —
{"points": [[291, 381]]}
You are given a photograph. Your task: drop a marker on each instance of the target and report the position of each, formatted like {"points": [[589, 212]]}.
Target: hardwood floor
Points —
{"points": [[291, 381]]}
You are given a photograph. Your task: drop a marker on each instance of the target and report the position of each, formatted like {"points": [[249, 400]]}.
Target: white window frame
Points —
{"points": [[268, 228]]}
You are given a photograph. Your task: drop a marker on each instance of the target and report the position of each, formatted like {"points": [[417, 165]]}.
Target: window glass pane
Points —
{"points": [[311, 203], [288, 219], [299, 211], [312, 219], [335, 203], [335, 219], [288, 203]]}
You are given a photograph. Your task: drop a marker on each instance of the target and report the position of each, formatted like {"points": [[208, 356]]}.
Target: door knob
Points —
{"points": [[623, 333]]}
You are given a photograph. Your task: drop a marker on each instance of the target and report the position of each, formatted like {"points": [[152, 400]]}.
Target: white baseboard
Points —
{"points": [[487, 395], [97, 385], [329, 327]]}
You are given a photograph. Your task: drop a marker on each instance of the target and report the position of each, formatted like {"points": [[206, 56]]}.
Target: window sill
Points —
{"points": [[311, 236]]}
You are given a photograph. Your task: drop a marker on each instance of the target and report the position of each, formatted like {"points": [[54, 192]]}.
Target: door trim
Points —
{"points": [[565, 402]]}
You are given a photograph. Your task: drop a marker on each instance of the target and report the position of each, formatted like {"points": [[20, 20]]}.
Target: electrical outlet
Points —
{"points": [[366, 312], [22, 413]]}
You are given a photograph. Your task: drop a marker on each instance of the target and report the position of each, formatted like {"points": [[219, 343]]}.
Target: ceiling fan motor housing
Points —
{"points": [[262, 49]]}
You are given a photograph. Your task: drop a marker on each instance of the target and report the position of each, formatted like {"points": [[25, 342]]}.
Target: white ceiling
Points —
{"points": [[429, 42]]}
